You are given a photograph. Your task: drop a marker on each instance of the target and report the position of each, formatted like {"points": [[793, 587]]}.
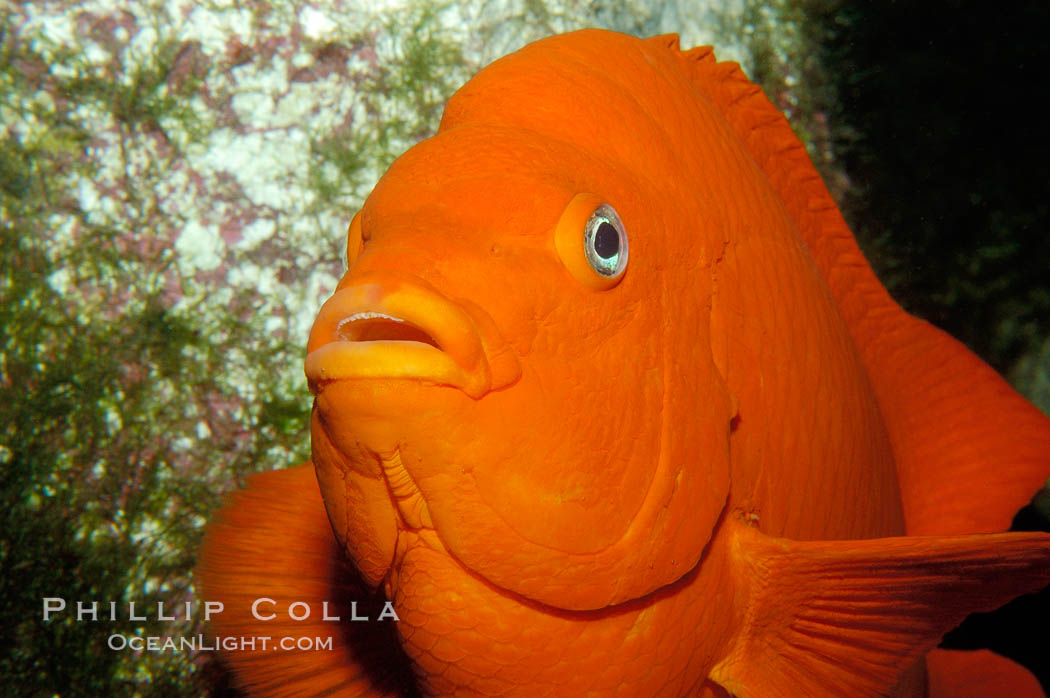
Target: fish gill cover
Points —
{"points": [[176, 179]]}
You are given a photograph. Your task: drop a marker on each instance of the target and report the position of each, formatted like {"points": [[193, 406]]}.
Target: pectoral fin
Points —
{"points": [[832, 618], [272, 541], [978, 674]]}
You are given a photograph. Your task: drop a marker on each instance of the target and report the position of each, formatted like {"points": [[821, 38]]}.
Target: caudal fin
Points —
{"points": [[273, 541], [970, 451]]}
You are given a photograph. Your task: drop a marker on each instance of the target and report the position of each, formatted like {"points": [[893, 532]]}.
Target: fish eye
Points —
{"points": [[592, 242], [605, 242]]}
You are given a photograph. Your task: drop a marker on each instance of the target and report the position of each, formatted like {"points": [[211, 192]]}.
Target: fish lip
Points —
{"points": [[455, 357]]}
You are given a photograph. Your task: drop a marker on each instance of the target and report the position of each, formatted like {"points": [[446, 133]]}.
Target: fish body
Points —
{"points": [[609, 402]]}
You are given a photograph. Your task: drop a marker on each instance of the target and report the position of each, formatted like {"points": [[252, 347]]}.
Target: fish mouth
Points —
{"points": [[393, 325]]}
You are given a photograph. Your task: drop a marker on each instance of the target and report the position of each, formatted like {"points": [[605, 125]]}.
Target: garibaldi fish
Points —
{"points": [[609, 402]]}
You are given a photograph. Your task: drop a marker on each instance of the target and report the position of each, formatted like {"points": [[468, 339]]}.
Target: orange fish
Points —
{"points": [[610, 403]]}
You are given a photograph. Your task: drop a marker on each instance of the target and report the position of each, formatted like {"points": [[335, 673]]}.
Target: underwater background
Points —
{"points": [[176, 179]]}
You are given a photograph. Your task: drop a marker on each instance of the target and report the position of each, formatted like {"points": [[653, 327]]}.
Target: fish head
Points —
{"points": [[518, 360]]}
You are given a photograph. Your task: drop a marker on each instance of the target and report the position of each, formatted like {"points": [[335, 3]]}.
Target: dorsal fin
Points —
{"points": [[783, 159], [969, 450]]}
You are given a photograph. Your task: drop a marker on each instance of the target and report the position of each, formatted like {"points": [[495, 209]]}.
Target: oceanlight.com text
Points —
{"points": [[198, 643]]}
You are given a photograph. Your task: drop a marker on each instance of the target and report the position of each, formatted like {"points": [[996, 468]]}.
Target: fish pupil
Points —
{"points": [[606, 241]]}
